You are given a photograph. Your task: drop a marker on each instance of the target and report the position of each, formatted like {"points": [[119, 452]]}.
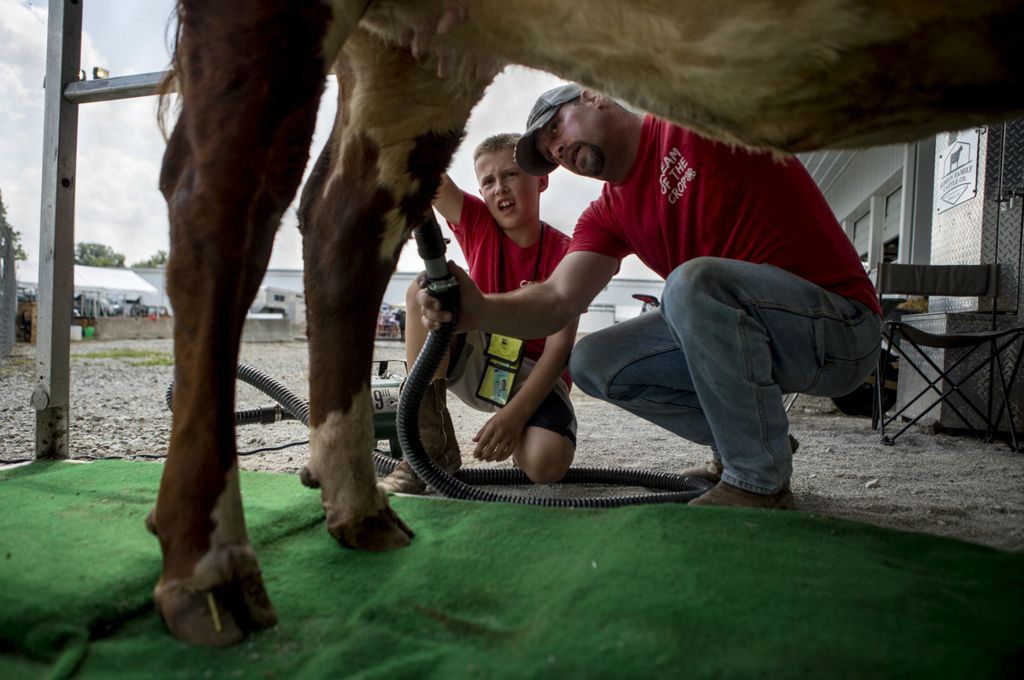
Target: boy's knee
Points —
{"points": [[545, 471], [546, 457]]}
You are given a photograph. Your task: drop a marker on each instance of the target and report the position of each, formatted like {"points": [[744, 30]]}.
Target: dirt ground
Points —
{"points": [[943, 484], [940, 484]]}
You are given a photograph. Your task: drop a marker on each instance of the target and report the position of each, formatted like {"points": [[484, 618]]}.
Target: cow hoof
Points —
{"points": [[382, 531], [217, 616], [307, 478]]}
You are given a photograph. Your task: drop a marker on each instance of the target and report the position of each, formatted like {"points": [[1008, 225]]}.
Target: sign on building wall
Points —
{"points": [[957, 179]]}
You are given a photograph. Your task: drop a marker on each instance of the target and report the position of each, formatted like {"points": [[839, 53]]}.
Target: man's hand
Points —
{"points": [[499, 437], [471, 303], [535, 311]]}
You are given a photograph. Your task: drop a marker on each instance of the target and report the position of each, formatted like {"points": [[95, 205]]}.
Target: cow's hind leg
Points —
{"points": [[395, 132], [250, 83]]}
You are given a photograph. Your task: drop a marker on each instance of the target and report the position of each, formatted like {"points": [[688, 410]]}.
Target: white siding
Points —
{"points": [[617, 295], [869, 170]]}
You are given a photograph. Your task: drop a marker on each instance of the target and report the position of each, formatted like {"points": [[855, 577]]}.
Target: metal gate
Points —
{"points": [[64, 92]]}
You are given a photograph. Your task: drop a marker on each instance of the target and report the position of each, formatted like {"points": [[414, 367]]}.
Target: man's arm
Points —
{"points": [[535, 311], [448, 199]]}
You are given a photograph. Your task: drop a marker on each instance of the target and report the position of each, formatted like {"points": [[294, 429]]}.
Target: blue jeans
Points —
{"points": [[713, 362]]}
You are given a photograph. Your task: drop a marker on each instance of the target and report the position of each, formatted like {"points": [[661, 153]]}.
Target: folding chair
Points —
{"points": [[967, 360]]}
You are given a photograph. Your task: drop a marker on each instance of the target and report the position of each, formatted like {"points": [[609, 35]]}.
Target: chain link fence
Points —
{"points": [[8, 293]]}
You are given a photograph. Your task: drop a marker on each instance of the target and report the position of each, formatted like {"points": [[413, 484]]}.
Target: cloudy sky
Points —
{"points": [[120, 147]]}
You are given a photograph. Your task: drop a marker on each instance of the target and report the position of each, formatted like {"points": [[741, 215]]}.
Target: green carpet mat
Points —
{"points": [[494, 590]]}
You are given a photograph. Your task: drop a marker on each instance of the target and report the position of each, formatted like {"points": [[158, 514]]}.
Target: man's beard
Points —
{"points": [[590, 160]]}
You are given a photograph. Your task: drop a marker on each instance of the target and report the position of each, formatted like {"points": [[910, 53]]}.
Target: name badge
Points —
{"points": [[504, 358]]}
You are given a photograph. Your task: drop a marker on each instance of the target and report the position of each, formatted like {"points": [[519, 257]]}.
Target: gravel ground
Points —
{"points": [[935, 483]]}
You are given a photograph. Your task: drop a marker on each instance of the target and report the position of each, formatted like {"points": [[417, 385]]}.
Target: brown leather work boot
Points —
{"points": [[726, 494], [438, 438], [712, 469]]}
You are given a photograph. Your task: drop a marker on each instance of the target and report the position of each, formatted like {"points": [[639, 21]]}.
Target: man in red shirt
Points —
{"points": [[507, 247], [764, 294]]}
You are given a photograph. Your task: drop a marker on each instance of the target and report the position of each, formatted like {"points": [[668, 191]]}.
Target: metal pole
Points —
{"points": [[877, 223], [119, 87], [57, 230], [920, 246]]}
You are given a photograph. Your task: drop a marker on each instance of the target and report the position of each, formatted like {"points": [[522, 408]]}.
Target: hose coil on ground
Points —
{"points": [[462, 485]]}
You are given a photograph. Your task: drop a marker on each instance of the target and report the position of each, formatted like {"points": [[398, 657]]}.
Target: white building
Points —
{"points": [[283, 288], [97, 286], [932, 201]]}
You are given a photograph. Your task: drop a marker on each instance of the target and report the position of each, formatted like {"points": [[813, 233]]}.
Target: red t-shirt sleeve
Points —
{"points": [[553, 254], [597, 231], [468, 231]]}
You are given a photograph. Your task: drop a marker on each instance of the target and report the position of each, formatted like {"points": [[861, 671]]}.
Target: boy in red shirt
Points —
{"points": [[525, 384]]}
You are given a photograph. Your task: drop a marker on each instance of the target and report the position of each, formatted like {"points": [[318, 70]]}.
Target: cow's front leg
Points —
{"points": [[396, 129], [210, 591], [232, 165], [347, 268]]}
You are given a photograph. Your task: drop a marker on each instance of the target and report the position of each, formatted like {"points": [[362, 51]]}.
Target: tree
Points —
{"points": [[157, 260], [97, 255], [19, 253]]}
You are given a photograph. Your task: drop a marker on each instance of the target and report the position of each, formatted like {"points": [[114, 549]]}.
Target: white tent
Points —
{"points": [[106, 280]]}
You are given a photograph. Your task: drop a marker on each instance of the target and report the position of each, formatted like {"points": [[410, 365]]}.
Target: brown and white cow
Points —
{"points": [[789, 75]]}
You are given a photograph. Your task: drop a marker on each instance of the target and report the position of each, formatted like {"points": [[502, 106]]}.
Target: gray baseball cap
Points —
{"points": [[527, 156]]}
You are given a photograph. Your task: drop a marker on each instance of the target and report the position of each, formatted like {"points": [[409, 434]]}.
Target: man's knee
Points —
{"points": [[699, 289], [583, 363], [690, 280]]}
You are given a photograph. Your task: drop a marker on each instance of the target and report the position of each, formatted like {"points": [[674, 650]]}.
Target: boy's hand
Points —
{"points": [[471, 302], [499, 437]]}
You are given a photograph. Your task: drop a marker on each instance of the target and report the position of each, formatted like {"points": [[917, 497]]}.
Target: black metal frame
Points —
{"points": [[896, 333]]}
